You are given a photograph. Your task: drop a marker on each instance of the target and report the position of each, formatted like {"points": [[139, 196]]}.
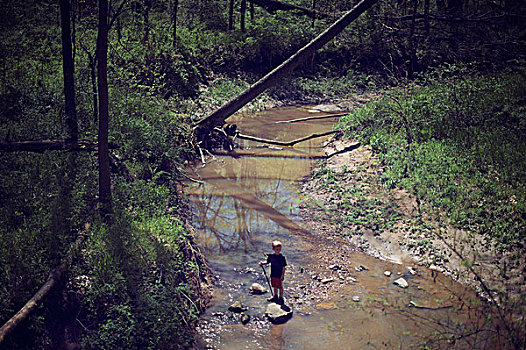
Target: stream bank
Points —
{"points": [[341, 297]]}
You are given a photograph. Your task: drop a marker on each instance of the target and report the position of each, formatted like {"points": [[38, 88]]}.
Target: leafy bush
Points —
{"points": [[136, 280], [460, 145]]}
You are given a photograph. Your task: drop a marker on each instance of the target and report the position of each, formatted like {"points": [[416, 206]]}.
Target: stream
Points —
{"points": [[341, 297]]}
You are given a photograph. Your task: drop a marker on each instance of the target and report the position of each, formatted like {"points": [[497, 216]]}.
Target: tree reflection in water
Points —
{"points": [[234, 203]]}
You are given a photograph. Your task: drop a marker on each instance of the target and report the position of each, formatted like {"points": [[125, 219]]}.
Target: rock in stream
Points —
{"points": [[278, 313]]}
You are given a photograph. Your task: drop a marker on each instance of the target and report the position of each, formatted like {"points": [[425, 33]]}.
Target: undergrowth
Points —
{"points": [[458, 145], [456, 141]]}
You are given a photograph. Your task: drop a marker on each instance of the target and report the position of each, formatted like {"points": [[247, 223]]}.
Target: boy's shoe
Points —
{"points": [[274, 299], [281, 301]]}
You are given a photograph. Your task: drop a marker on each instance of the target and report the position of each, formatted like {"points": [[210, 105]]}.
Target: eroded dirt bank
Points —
{"points": [[345, 202]]}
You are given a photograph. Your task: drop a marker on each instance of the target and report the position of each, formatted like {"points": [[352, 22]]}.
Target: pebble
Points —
{"points": [[351, 279], [358, 269], [356, 298], [245, 319], [401, 282], [257, 288], [237, 307], [412, 271], [327, 280], [387, 273]]}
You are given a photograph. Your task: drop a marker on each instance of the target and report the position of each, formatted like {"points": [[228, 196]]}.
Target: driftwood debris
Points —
{"points": [[327, 116], [218, 117], [273, 5], [251, 154], [286, 143], [52, 280], [50, 145]]}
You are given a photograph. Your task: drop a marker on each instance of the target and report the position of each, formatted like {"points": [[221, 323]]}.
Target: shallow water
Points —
{"points": [[248, 201]]}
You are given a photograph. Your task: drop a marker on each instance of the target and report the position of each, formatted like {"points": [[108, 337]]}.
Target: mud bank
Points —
{"points": [[397, 228]]}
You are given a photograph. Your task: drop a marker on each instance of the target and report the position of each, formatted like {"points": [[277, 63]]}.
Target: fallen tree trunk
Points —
{"points": [[285, 143], [49, 145], [52, 280], [218, 117], [274, 5], [312, 118]]}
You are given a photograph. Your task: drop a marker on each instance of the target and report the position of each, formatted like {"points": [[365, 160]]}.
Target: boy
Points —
{"points": [[277, 271]]}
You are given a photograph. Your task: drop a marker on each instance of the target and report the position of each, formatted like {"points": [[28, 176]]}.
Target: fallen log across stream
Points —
{"points": [[285, 143], [204, 126], [327, 116]]}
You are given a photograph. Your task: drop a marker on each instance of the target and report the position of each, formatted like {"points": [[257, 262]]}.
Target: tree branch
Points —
{"points": [[421, 16], [273, 5], [312, 118], [288, 143], [50, 145]]}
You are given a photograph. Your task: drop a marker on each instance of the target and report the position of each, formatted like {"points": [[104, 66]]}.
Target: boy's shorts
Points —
{"points": [[276, 282]]}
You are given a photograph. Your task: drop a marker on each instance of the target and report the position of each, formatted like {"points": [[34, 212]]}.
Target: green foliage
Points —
{"points": [[459, 145], [46, 199], [356, 206], [136, 278]]}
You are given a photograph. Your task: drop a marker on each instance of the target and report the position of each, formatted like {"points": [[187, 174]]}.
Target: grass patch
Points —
{"points": [[460, 146]]}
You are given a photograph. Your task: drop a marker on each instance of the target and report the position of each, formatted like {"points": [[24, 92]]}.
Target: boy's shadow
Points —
{"points": [[285, 308]]}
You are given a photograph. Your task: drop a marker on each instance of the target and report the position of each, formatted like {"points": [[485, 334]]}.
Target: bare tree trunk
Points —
{"points": [[68, 71], [412, 45], [426, 19], [243, 14], [313, 9], [174, 20], [219, 116], [93, 70], [146, 16], [102, 82], [68, 175], [73, 29], [231, 15]]}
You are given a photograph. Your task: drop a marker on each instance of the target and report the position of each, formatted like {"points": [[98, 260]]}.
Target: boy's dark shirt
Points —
{"points": [[277, 262]]}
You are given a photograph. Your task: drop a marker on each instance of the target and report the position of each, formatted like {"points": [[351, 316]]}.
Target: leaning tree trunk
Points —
{"points": [[102, 82], [52, 281], [218, 117]]}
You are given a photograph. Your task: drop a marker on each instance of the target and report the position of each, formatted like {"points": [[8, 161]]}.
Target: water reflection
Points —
{"points": [[244, 196]]}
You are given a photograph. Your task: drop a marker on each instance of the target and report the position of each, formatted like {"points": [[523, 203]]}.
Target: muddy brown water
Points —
{"points": [[247, 201]]}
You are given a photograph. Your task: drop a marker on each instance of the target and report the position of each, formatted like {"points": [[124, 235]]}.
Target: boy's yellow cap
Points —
{"points": [[276, 244]]}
